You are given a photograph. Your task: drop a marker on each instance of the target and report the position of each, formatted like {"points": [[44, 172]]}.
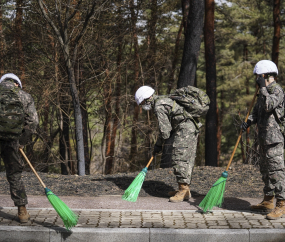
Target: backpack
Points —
{"points": [[11, 113], [195, 101]]}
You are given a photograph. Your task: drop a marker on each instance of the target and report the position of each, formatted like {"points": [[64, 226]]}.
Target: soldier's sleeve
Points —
{"points": [[271, 101], [31, 116], [163, 121]]}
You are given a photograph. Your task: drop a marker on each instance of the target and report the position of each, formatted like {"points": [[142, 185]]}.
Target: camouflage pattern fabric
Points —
{"points": [[14, 166], [171, 121], [31, 120], [270, 139], [271, 169], [269, 99], [10, 149], [11, 113]]}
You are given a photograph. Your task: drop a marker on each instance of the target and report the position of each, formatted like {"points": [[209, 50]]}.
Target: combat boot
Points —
{"points": [[182, 194], [278, 212], [172, 193], [23, 214], [267, 205]]}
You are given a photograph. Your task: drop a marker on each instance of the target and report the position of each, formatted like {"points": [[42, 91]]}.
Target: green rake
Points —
{"points": [[68, 217], [132, 192], [215, 196]]}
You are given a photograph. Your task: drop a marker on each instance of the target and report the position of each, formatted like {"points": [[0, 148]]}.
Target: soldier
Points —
{"points": [[9, 149], [172, 121], [266, 112]]}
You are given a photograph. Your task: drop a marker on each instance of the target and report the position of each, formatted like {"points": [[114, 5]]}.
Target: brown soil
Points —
{"points": [[243, 181]]}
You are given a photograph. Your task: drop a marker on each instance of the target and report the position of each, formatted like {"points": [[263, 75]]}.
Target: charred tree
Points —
{"points": [[211, 118], [192, 43]]}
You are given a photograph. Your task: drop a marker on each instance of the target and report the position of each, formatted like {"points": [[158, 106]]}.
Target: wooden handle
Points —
{"points": [[26, 158], [240, 133], [149, 162]]}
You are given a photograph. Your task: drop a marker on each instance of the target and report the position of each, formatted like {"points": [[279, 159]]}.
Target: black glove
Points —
{"points": [[245, 125], [25, 137], [156, 150], [260, 81]]}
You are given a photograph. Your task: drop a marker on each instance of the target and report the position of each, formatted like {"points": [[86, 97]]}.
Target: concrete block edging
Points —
{"points": [[43, 234]]}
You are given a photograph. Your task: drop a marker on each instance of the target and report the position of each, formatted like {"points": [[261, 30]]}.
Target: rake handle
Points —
{"points": [[26, 158], [240, 133]]}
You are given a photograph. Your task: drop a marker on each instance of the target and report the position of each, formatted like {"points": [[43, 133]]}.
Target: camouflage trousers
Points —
{"points": [[272, 170], [184, 151], [14, 166]]}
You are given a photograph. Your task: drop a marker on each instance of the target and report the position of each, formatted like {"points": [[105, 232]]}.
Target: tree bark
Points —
{"points": [[192, 44], [111, 159], [175, 58], [133, 152], [277, 27], [211, 118], [1, 40], [19, 44], [108, 122]]}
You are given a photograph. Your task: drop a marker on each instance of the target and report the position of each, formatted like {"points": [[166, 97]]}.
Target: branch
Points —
{"points": [[66, 14], [50, 22], [79, 36], [75, 11]]}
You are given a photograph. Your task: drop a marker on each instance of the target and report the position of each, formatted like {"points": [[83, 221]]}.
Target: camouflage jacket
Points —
{"points": [[270, 100], [31, 116], [169, 115]]}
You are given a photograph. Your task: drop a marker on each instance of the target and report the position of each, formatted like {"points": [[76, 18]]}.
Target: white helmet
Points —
{"points": [[11, 76], [143, 93], [265, 66]]}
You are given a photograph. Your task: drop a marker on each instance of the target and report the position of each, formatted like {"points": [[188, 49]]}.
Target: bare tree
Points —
{"points": [[60, 25]]}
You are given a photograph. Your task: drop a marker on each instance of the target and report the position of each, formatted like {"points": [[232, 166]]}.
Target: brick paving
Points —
{"points": [[180, 219]]}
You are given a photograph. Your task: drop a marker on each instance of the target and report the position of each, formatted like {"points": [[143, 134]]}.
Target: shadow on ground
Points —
{"points": [[149, 188], [230, 203], [11, 218]]}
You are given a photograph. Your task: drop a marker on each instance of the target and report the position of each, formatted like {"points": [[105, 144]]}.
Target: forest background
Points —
{"points": [[83, 60]]}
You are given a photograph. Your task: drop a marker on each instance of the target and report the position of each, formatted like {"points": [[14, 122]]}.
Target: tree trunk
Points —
{"points": [[64, 144], [211, 118], [1, 40], [110, 159], [133, 152], [192, 44], [108, 122], [277, 27], [220, 118], [19, 44], [175, 58]]}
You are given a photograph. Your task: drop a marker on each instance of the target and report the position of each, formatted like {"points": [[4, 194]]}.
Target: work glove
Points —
{"points": [[260, 81], [25, 137], [156, 150], [245, 125]]}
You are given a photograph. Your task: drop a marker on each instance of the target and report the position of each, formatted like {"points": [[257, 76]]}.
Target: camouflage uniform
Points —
{"points": [[172, 120], [10, 149], [270, 138]]}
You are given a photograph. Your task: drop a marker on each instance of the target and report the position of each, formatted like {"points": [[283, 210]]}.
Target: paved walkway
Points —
{"points": [[177, 219], [154, 218]]}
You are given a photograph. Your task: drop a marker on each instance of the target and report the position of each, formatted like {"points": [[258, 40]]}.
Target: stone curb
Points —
{"points": [[42, 234]]}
